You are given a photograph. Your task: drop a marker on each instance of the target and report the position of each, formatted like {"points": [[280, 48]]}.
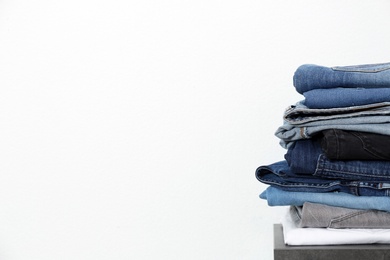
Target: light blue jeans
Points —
{"points": [[310, 76], [279, 197], [299, 113], [301, 122], [345, 97]]}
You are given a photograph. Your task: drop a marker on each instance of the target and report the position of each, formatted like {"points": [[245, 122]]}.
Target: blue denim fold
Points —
{"points": [[301, 122], [305, 157], [280, 175], [345, 97], [310, 76], [299, 113], [279, 197]]}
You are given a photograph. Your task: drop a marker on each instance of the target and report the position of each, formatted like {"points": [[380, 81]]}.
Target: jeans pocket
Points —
{"points": [[374, 145], [366, 68]]}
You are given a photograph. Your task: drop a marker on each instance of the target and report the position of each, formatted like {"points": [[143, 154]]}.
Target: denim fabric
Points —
{"points": [[280, 175], [288, 133], [345, 97], [278, 197], [314, 215], [301, 122], [302, 156], [305, 157], [350, 145], [311, 76], [300, 114]]}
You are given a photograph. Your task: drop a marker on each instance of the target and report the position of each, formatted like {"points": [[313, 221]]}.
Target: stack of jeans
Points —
{"points": [[335, 176]]}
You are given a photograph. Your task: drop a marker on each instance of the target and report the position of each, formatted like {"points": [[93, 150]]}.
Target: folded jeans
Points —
{"points": [[345, 97], [296, 236], [311, 76], [314, 215], [280, 175], [278, 197], [305, 157], [301, 122], [353, 145]]}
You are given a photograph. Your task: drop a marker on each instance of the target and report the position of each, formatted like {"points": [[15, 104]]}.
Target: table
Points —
{"points": [[331, 252]]}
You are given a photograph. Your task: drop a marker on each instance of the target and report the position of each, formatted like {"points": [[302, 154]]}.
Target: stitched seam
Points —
{"points": [[348, 216]]}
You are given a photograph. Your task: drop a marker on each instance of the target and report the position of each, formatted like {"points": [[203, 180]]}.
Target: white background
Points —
{"points": [[132, 129]]}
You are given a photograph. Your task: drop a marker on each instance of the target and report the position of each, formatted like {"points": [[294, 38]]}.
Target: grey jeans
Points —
{"points": [[313, 215], [301, 122]]}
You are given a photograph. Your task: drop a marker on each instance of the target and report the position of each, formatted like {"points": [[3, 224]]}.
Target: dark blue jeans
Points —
{"points": [[305, 157], [280, 175], [310, 76]]}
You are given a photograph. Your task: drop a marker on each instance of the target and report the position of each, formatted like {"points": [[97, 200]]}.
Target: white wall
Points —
{"points": [[132, 129]]}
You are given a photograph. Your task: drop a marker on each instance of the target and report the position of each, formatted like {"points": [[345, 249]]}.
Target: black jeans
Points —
{"points": [[351, 145]]}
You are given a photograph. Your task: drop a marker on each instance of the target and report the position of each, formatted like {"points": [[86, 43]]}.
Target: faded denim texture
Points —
{"points": [[301, 122], [311, 76], [314, 215], [278, 197], [345, 97]]}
